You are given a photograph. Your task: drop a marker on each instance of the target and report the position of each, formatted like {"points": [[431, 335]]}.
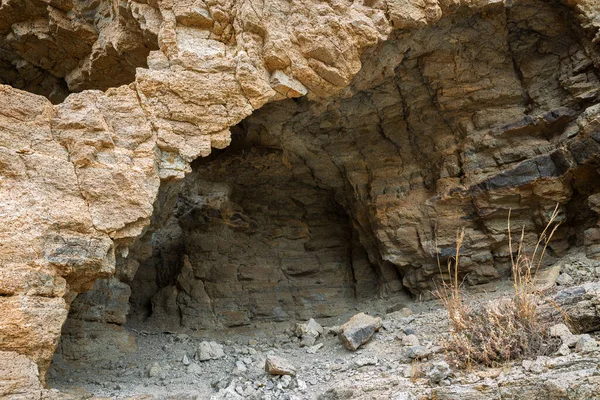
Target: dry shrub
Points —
{"points": [[505, 329]]}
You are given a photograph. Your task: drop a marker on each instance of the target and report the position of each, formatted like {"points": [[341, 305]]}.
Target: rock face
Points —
{"points": [[418, 118], [453, 134], [244, 245], [79, 178]]}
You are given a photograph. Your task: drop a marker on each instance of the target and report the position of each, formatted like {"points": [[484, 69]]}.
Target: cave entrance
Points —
{"points": [[248, 237]]}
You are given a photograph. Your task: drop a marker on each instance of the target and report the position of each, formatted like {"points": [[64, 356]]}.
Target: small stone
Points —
{"points": [[562, 331], [302, 385], [286, 380], [358, 330], [403, 313], [313, 325], [564, 279], [154, 370], [308, 332], [403, 396], [240, 367], [275, 365], [308, 340], [182, 337], [314, 349], [194, 368], [536, 366], [439, 371], [410, 340], [545, 279], [586, 344], [413, 352], [337, 393], [185, 360], [247, 360], [364, 361], [563, 350], [209, 351]]}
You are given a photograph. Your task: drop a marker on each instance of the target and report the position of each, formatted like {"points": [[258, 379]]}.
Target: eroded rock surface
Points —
{"points": [[418, 118]]}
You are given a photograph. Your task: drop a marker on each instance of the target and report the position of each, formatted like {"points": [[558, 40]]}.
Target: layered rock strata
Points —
{"points": [[461, 111]]}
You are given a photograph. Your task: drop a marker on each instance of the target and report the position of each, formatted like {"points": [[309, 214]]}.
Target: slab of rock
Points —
{"points": [[564, 279], [209, 351], [275, 365], [439, 371], [546, 278], [586, 344], [310, 327], [416, 352], [364, 361], [564, 333], [410, 340], [314, 349], [358, 330], [402, 313]]}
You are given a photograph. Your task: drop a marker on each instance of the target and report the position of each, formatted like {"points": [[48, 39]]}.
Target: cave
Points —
{"points": [[227, 213], [251, 237]]}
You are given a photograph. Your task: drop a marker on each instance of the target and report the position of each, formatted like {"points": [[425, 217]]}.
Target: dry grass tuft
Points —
{"points": [[506, 329]]}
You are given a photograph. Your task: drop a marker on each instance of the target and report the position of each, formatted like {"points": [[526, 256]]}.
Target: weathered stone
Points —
{"points": [[315, 348], [287, 86], [18, 377], [564, 279], [276, 365], [546, 278], [209, 351], [410, 340], [358, 330], [586, 344], [154, 370], [416, 352], [562, 331], [310, 328], [438, 371]]}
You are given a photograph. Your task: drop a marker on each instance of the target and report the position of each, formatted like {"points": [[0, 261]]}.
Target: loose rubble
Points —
{"points": [[402, 360]]}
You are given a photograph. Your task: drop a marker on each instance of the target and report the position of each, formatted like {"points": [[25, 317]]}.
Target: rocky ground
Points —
{"points": [[403, 360]]}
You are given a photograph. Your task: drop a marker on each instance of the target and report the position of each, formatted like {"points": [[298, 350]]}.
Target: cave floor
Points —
{"points": [[164, 364]]}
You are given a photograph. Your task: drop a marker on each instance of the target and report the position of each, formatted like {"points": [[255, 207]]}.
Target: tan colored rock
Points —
{"points": [[406, 14], [358, 330], [275, 365], [287, 86], [18, 376]]}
